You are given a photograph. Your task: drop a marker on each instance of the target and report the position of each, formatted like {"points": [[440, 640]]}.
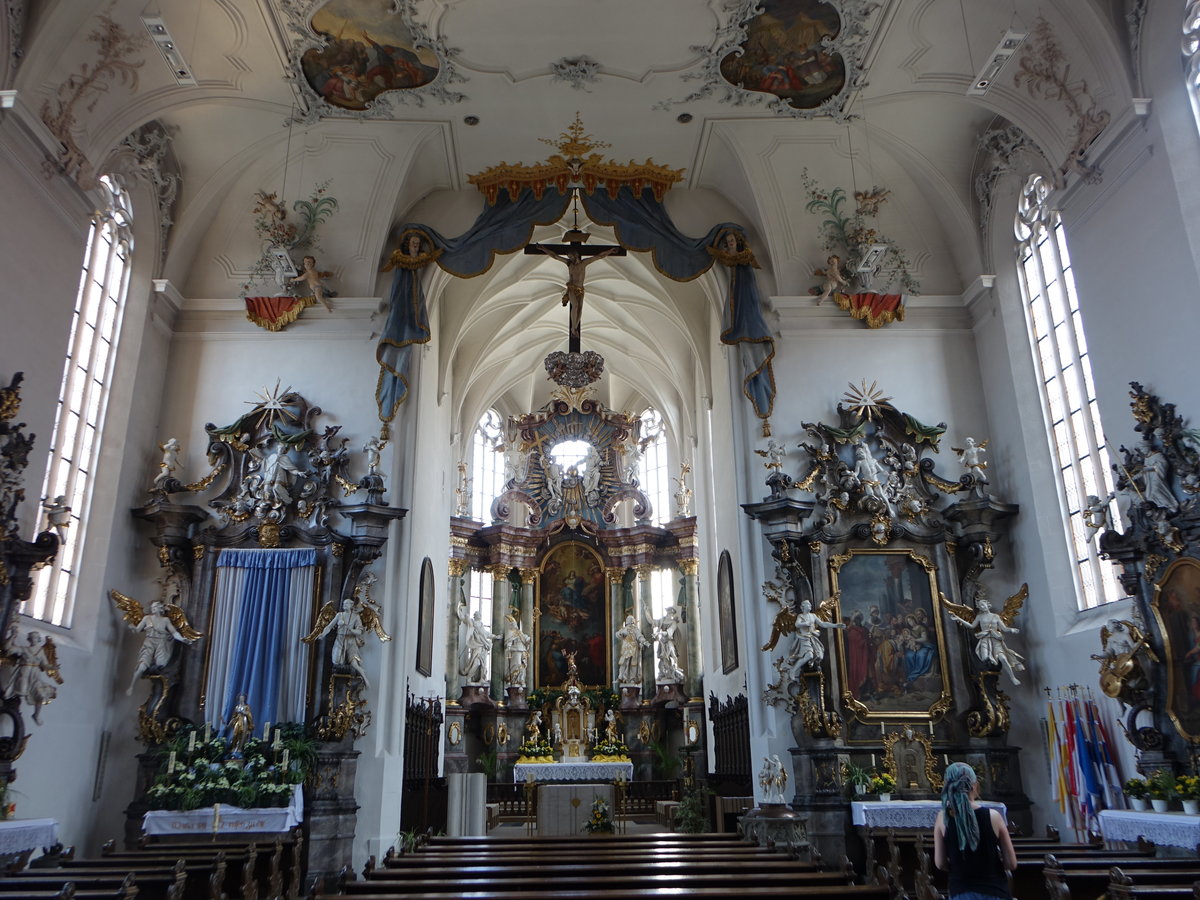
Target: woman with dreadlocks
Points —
{"points": [[971, 840]]}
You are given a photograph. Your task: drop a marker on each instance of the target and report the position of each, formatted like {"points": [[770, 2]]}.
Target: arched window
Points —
{"points": [[652, 473], [1191, 53], [487, 464], [1065, 375], [83, 395]]}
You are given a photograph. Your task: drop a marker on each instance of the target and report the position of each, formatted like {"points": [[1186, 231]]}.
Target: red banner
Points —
{"points": [[876, 310], [274, 313]]}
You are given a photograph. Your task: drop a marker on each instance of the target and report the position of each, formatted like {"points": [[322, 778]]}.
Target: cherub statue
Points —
{"points": [[359, 615], [774, 455], [556, 734], [991, 627], [310, 278], [971, 457], [533, 727], [165, 623], [1095, 513], [169, 463], [32, 671], [58, 516], [1121, 641], [833, 278], [374, 448], [610, 726], [773, 779]]}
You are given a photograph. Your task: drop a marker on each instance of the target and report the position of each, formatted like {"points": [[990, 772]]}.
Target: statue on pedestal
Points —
{"points": [[669, 671], [474, 657], [516, 653], [629, 660], [773, 779]]}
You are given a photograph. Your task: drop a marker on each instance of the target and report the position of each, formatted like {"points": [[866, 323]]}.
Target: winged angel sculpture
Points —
{"points": [[359, 615], [165, 623], [990, 628], [807, 651], [30, 671], [1122, 641]]}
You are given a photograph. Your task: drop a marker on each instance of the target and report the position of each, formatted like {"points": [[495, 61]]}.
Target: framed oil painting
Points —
{"points": [[572, 607], [1176, 606], [725, 611], [368, 50], [425, 620], [892, 652], [783, 54]]}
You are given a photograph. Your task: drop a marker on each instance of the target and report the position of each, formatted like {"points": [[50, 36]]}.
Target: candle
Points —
{"points": [[278, 740], [285, 760], [267, 731], [171, 763], [207, 731], [216, 817], [191, 742]]}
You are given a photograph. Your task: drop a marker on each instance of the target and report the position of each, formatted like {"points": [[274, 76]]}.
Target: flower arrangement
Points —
{"points": [[857, 777], [600, 821], [1137, 788], [882, 783], [1188, 787], [610, 751], [538, 751], [198, 768], [1161, 785]]}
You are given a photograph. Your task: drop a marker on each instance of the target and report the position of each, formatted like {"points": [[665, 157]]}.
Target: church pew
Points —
{"points": [[502, 840], [1034, 879], [781, 892], [546, 873], [128, 890], [733, 882], [1062, 884], [421, 859]]}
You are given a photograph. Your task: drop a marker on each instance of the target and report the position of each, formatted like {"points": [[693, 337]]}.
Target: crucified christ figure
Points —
{"points": [[573, 296]]}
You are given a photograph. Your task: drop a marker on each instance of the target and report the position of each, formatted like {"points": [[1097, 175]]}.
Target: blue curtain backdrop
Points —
{"points": [[259, 644], [641, 224]]}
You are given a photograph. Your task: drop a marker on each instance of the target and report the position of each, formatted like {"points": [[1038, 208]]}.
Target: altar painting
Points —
{"points": [[782, 53], [572, 617], [1176, 605], [368, 50], [892, 652]]}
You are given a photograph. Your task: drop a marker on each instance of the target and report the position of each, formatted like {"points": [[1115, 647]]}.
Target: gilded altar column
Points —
{"points": [[649, 662], [456, 591], [501, 600], [690, 596]]}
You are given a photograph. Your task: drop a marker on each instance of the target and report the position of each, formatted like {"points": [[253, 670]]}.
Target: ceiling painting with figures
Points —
{"points": [[783, 54], [572, 617], [368, 50]]}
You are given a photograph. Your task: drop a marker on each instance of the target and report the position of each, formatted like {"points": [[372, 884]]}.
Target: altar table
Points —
{"points": [[225, 819], [563, 809], [910, 814], [1167, 829], [19, 835], [573, 771]]}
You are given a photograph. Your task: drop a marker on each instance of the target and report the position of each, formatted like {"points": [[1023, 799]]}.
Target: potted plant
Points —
{"points": [[857, 777], [600, 821], [1161, 789], [883, 784], [1188, 787], [1136, 790]]}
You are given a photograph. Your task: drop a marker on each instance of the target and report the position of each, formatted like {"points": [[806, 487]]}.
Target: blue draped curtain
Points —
{"points": [[275, 602], [641, 223]]}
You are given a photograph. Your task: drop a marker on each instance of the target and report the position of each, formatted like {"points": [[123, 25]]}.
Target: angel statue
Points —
{"points": [[164, 623], [991, 627], [1121, 641], [971, 458], [774, 455], [772, 778], [170, 462], [807, 649], [31, 672], [358, 616]]}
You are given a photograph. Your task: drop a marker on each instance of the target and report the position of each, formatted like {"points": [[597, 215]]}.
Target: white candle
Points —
{"points": [[285, 760], [216, 817], [267, 731], [171, 763], [207, 732], [278, 740], [191, 742]]}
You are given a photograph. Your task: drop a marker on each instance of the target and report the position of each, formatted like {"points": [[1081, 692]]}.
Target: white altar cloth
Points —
{"points": [[19, 835], [904, 813], [227, 819], [1168, 829], [573, 771]]}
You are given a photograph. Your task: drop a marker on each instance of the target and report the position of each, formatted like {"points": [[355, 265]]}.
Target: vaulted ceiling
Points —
{"points": [[522, 69]]}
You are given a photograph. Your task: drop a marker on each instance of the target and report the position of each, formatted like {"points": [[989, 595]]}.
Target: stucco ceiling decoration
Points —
{"points": [[362, 59], [798, 58]]}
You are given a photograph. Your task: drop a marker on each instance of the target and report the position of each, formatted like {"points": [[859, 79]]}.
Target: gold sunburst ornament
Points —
{"points": [[865, 401], [273, 402]]}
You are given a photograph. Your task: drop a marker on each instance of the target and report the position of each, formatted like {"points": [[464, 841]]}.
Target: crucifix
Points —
{"points": [[576, 257]]}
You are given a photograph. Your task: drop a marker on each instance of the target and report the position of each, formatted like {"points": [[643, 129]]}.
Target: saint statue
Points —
{"points": [[475, 655], [629, 660], [772, 778], [241, 725], [664, 640], [516, 652]]}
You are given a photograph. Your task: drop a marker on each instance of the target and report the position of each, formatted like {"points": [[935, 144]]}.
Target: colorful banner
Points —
{"points": [[275, 313]]}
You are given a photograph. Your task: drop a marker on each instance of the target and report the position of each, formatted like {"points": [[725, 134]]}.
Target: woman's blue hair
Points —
{"points": [[956, 804]]}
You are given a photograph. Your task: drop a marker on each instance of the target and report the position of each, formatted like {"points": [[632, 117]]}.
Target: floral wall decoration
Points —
{"points": [[862, 265], [285, 280]]}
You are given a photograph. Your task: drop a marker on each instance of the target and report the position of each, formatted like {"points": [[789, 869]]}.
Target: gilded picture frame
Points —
{"points": [[1176, 606], [891, 657]]}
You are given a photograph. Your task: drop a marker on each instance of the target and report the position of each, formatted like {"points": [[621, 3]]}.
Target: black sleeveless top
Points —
{"points": [[981, 870]]}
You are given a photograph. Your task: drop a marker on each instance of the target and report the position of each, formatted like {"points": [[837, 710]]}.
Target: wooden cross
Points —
{"points": [[575, 256]]}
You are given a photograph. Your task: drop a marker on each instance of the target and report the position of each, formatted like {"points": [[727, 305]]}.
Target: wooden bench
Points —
{"points": [[839, 892]]}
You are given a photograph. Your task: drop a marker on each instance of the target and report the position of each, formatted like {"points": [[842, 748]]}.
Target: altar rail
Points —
{"points": [[640, 798]]}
